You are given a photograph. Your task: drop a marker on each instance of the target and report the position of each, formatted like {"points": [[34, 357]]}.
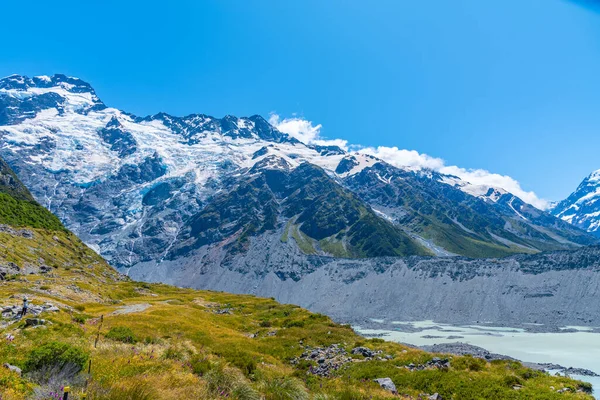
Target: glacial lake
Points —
{"points": [[580, 349]]}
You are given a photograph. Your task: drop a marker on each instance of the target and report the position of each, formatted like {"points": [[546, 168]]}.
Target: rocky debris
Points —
{"points": [[462, 349], [332, 358], [435, 396], [328, 359], [578, 371], [24, 233], [10, 312], [13, 368], [75, 288], [49, 307], [134, 308], [365, 352], [11, 268], [434, 363], [387, 384], [223, 311], [8, 269]]}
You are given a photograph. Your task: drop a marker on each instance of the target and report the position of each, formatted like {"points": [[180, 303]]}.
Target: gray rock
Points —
{"points": [[364, 351], [387, 384], [435, 396], [34, 322], [48, 307], [13, 368]]}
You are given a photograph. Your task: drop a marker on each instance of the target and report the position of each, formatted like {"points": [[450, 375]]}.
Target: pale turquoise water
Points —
{"points": [[579, 349]]}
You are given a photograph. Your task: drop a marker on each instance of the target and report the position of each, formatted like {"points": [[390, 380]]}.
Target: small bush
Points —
{"points": [[469, 363], [200, 365], [512, 380], [228, 382], [152, 340], [284, 389], [79, 307], [246, 364], [121, 334], [586, 387], [293, 323], [173, 354], [44, 287], [80, 319], [219, 379], [55, 354], [265, 324], [139, 391]]}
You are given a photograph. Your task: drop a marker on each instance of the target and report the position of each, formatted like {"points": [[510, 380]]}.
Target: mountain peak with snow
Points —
{"points": [[582, 207], [129, 185]]}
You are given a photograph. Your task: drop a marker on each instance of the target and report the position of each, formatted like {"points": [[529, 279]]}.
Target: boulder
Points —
{"points": [[435, 396], [49, 307], [365, 352], [13, 368], [387, 384], [34, 322]]}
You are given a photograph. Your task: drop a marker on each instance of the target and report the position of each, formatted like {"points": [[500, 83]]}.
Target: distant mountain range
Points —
{"points": [[143, 190]]}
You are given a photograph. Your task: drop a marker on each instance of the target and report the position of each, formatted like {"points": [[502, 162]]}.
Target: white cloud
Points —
{"points": [[308, 133], [304, 131], [415, 160]]}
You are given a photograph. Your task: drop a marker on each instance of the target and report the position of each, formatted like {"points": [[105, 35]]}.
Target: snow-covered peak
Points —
{"points": [[594, 177], [487, 193], [43, 92], [75, 131], [582, 207], [352, 164]]}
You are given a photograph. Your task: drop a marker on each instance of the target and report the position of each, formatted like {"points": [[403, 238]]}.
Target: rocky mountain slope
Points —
{"points": [[102, 334], [141, 190], [582, 207], [553, 288]]}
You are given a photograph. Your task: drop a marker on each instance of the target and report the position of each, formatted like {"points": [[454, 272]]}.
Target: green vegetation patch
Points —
{"points": [[23, 213]]}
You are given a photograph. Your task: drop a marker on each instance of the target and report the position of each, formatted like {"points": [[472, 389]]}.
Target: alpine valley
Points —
{"points": [[234, 204]]}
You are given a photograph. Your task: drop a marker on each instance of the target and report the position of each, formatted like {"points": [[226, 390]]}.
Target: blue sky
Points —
{"points": [[508, 86]]}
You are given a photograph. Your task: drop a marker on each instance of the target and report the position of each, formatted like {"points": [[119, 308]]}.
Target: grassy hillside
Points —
{"points": [[161, 342], [18, 208], [115, 339]]}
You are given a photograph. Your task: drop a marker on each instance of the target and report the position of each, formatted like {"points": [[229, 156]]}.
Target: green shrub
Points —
{"points": [[18, 212], [239, 358], [586, 387], [79, 307], [469, 363], [265, 324], [200, 366], [121, 334], [512, 380], [173, 354], [246, 364], [293, 323], [284, 389], [80, 319], [139, 391], [152, 340], [55, 354]]}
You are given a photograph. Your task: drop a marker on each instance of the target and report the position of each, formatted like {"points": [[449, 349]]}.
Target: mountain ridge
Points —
{"points": [[128, 185]]}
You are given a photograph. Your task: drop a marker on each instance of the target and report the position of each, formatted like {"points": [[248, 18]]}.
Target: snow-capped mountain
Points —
{"points": [[582, 207], [147, 189]]}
